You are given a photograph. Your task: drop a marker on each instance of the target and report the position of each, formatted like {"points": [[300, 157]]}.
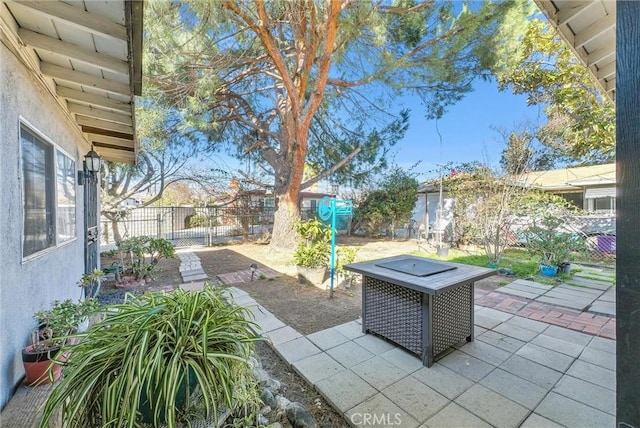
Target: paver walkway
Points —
{"points": [[518, 372], [585, 303], [190, 267], [590, 290]]}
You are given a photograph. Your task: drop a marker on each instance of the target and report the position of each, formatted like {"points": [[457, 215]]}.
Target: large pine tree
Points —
{"points": [[303, 82]]}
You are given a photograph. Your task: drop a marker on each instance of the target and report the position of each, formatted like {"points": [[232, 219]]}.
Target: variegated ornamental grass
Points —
{"points": [[154, 346]]}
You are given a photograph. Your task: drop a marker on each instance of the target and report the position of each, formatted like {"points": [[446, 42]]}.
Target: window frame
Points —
{"points": [[55, 149]]}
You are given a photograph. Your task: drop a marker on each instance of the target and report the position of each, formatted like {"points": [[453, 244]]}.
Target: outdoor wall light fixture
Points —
{"points": [[92, 161], [92, 165], [334, 188]]}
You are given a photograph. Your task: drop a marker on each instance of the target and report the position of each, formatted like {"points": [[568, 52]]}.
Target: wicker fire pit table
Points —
{"points": [[423, 305]]}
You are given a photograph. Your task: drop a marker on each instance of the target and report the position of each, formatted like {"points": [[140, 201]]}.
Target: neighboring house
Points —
{"points": [[592, 188], [427, 211], [307, 201], [68, 74]]}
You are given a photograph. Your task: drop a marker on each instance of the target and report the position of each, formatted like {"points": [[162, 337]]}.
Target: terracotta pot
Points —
{"points": [[38, 366]]}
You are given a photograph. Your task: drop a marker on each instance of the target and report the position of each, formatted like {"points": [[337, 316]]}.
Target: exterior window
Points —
{"points": [[66, 207], [604, 204], [49, 194]]}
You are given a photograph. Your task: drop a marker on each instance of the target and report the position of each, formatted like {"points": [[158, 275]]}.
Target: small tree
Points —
{"points": [[553, 245], [390, 205], [314, 247]]}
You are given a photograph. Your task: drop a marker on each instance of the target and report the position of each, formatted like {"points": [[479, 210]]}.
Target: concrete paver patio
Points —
{"points": [[518, 372]]}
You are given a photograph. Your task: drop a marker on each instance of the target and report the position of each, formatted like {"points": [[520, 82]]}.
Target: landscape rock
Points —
{"points": [[262, 420], [273, 385], [268, 399], [254, 363], [275, 425], [261, 375], [265, 410], [282, 402], [299, 417]]}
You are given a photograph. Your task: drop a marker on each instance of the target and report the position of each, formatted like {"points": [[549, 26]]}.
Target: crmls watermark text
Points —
{"points": [[377, 419]]}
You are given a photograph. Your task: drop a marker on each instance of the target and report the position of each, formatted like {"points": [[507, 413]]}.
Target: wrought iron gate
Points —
{"points": [[91, 234]]}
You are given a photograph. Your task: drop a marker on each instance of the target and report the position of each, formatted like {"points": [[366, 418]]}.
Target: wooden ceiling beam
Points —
{"points": [[77, 18], [593, 31], [93, 99], [111, 141], [74, 52], [108, 133], [99, 114], [571, 10], [606, 71], [68, 75], [91, 122], [599, 55]]}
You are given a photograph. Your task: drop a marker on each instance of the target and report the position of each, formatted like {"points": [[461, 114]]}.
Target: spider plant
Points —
{"points": [[148, 359]]}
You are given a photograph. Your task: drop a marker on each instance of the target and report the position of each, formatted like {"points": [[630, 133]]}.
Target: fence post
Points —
{"points": [[173, 223], [159, 221], [209, 227]]}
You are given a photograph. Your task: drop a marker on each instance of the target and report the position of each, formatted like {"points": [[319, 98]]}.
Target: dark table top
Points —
{"points": [[433, 284]]}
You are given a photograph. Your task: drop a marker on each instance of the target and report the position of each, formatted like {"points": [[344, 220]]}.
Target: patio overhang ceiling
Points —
{"points": [[589, 28], [89, 56]]}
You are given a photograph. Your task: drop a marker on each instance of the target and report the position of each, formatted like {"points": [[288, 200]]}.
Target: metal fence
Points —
{"points": [[186, 226]]}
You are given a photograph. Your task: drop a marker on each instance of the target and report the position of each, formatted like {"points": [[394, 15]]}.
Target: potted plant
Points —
{"points": [[54, 328], [553, 245], [312, 253], [156, 359], [90, 283]]}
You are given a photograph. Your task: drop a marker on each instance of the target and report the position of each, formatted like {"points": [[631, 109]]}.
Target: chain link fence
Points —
{"points": [[596, 231]]}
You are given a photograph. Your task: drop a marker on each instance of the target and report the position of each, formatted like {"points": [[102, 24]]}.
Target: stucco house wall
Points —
{"points": [[32, 284]]}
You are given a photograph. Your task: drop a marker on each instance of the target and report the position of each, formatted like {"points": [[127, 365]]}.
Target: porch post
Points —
{"points": [[628, 233]]}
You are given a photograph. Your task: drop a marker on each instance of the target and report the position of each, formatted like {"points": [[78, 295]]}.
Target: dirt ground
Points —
{"points": [[304, 307]]}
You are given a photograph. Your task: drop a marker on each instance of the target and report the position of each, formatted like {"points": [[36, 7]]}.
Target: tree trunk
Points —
{"points": [[284, 235]]}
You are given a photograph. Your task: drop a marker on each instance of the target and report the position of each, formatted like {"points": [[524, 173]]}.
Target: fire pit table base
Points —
{"points": [[424, 324]]}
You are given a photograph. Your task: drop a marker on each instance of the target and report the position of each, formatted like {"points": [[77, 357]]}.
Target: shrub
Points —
{"points": [[150, 359], [144, 253], [196, 220], [314, 248]]}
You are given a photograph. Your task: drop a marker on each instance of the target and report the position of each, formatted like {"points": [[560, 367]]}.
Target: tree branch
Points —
{"points": [[328, 172]]}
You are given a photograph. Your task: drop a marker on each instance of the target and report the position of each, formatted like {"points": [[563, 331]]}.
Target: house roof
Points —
{"points": [[88, 54], [571, 178], [589, 28]]}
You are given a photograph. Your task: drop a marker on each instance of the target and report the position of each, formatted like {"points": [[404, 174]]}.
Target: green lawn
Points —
{"points": [[517, 260]]}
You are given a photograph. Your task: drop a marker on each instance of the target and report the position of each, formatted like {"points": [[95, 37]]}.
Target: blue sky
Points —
{"points": [[466, 129]]}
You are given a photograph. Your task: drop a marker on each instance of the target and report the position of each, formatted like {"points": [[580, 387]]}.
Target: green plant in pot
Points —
{"points": [[90, 283], [156, 358], [55, 327], [143, 254], [313, 251], [554, 246]]}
